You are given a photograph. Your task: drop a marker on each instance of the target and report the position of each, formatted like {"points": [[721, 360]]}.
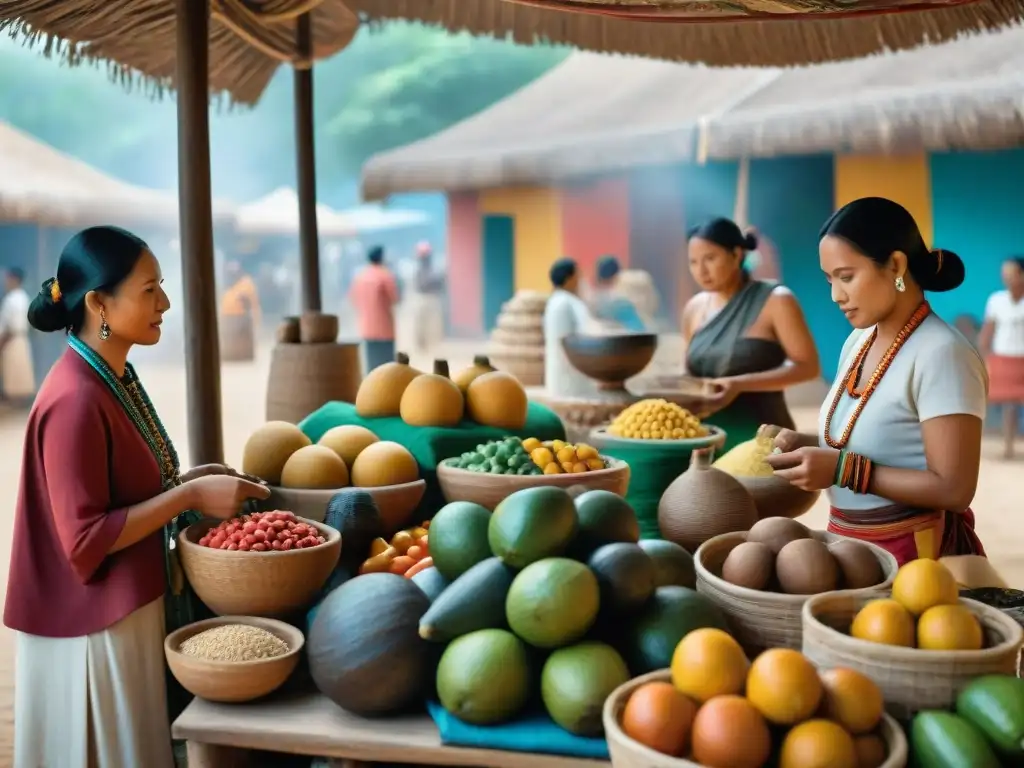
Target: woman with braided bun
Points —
{"points": [[899, 435], [101, 496]]}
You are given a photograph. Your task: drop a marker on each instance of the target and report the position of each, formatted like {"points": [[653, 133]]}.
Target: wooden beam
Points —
{"points": [[305, 162], [195, 203]]}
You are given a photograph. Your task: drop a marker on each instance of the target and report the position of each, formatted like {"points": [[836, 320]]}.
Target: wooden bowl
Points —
{"points": [[396, 503], [612, 359], [627, 753], [489, 490], [265, 584], [233, 681], [318, 328]]}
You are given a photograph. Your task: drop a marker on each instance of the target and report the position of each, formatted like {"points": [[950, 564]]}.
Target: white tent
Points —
{"points": [[278, 214]]}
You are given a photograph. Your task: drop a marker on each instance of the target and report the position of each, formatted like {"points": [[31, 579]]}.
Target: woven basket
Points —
{"points": [[910, 679], [237, 340], [288, 331], [761, 620], [304, 377], [627, 753], [318, 328]]}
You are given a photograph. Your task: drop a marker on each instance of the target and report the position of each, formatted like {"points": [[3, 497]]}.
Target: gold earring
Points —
{"points": [[900, 285], [104, 328]]}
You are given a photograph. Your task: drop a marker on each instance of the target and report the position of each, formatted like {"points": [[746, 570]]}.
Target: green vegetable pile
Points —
{"points": [[499, 457]]}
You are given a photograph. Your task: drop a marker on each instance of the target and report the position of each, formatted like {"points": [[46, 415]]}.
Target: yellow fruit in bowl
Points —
{"points": [[709, 663], [585, 452], [784, 686], [593, 464], [884, 621], [949, 628], [922, 584], [557, 445], [852, 699], [552, 468], [818, 744], [531, 444], [541, 456], [566, 454], [580, 466]]}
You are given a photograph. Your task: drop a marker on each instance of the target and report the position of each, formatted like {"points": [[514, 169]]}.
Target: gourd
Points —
{"points": [[481, 365], [380, 393], [314, 467], [384, 463], [348, 441], [497, 399], [432, 399], [269, 448]]}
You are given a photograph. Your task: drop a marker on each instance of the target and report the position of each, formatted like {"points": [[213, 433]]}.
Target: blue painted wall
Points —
{"points": [[709, 191]]}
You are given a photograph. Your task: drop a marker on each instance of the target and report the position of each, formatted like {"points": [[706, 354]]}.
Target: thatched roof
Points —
{"points": [[278, 214], [598, 114], [787, 39], [41, 184], [248, 40]]}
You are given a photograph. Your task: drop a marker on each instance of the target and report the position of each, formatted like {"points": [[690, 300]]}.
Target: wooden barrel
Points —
{"points": [[237, 339], [305, 376]]}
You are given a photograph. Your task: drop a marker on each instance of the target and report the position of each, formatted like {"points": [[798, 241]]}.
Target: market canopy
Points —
{"points": [[41, 184], [248, 40], [629, 112], [278, 214]]}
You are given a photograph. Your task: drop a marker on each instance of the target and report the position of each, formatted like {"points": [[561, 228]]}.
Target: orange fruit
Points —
{"points": [[708, 663], [729, 731], [949, 628], [659, 717], [851, 699], [784, 686], [818, 744], [884, 621], [871, 750], [922, 584]]}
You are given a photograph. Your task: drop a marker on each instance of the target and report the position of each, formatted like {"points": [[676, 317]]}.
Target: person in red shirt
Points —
{"points": [[374, 294], [100, 496]]}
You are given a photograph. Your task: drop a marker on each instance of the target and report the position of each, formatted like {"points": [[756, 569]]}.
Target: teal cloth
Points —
{"points": [[431, 445], [534, 732]]}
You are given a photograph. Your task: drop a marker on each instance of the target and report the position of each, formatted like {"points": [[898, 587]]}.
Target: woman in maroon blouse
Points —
{"points": [[99, 483]]}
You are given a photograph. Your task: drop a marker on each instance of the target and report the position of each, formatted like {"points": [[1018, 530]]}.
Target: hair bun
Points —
{"points": [[45, 314], [938, 270], [750, 241]]}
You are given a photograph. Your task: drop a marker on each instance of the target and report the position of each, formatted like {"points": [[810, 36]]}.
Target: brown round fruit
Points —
{"points": [[777, 532], [750, 564], [659, 717], [806, 567], [871, 751], [852, 699], [857, 563], [729, 731]]}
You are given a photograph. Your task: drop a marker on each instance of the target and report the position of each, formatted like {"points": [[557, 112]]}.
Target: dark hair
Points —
{"points": [[878, 227], [1018, 260], [608, 267], [725, 233], [376, 254], [17, 273], [561, 271], [96, 259]]}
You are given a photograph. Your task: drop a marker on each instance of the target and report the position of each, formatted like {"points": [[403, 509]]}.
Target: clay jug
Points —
{"points": [[704, 502]]}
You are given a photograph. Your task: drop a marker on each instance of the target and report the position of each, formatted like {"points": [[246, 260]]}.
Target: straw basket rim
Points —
{"points": [[1013, 630], [332, 535], [897, 749], [884, 557], [292, 635]]}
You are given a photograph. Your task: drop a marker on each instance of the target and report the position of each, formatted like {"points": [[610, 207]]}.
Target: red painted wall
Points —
{"points": [[595, 222], [465, 289]]}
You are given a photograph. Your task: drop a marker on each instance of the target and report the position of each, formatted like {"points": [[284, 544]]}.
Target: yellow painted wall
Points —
{"points": [[903, 178], [538, 230]]}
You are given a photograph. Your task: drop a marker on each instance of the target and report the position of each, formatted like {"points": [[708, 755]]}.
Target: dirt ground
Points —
{"points": [[243, 390]]}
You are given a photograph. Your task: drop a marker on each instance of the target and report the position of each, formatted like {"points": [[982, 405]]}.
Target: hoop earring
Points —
{"points": [[104, 328], [900, 285]]}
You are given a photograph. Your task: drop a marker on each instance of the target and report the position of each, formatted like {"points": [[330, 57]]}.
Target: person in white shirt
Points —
{"points": [[18, 382], [565, 314], [1002, 342]]}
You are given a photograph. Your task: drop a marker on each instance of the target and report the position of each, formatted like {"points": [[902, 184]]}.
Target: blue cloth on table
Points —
{"points": [[534, 732]]}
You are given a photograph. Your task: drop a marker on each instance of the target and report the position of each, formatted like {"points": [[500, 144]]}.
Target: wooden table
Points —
{"points": [[308, 723]]}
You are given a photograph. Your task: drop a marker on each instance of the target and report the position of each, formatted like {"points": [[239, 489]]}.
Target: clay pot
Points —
{"points": [[704, 502], [288, 331], [318, 328]]}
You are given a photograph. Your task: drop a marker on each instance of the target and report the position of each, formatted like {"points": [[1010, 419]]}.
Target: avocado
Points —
{"points": [[995, 705], [530, 525], [941, 739], [552, 602], [625, 575], [576, 681], [649, 640], [431, 582], [673, 565], [474, 601], [458, 538], [485, 677], [604, 518]]}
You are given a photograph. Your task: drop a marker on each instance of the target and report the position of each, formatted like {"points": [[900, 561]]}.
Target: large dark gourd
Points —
{"points": [[354, 513], [364, 648]]}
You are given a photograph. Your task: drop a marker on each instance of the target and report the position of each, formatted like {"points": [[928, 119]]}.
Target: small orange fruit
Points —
{"points": [[729, 731], [924, 583], [708, 663], [818, 744], [871, 751], [949, 628], [784, 686], [851, 699], [884, 621], [659, 717]]}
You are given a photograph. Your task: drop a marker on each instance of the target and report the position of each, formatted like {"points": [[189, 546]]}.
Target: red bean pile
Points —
{"points": [[262, 532]]}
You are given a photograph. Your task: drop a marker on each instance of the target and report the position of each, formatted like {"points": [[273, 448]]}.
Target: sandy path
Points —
{"points": [[999, 517]]}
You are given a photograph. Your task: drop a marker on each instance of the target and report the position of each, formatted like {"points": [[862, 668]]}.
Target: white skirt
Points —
{"points": [[96, 701], [17, 377]]}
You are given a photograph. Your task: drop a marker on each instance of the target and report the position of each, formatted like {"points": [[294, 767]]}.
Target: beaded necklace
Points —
{"points": [[857, 366]]}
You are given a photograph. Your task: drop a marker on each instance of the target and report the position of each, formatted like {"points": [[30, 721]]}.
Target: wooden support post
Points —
{"points": [[305, 162], [195, 203]]}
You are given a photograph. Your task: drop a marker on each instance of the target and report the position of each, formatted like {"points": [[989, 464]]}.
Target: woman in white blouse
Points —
{"points": [[1002, 342]]}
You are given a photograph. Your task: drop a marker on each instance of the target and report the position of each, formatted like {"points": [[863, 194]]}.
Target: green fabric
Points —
{"points": [[653, 466], [431, 445]]}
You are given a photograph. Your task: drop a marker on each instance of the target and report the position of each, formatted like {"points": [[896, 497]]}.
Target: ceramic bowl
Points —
{"points": [[611, 359]]}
